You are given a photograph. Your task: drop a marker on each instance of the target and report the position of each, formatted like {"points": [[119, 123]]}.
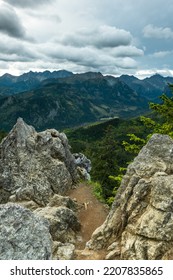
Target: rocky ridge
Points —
{"points": [[71, 101], [36, 170]]}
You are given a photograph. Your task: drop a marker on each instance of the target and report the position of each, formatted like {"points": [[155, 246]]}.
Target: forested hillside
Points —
{"points": [[103, 144], [112, 145], [72, 101], [62, 99], [96, 105], [150, 88]]}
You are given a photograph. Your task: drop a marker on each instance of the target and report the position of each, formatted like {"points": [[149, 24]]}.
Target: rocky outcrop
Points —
{"points": [[36, 171], [140, 223], [34, 166], [37, 220], [23, 235], [83, 165]]}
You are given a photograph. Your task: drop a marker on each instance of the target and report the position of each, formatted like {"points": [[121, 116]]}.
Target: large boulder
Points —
{"points": [[63, 223], [23, 235], [35, 166], [140, 223], [64, 226]]}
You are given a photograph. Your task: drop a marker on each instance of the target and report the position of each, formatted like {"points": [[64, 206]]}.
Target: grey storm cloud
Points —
{"points": [[101, 37], [102, 47], [112, 36], [88, 57], [10, 23], [17, 50], [151, 31], [28, 3]]}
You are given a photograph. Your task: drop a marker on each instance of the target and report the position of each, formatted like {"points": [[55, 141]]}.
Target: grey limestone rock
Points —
{"points": [[35, 166], [23, 235], [140, 222], [63, 223], [36, 171], [63, 251], [83, 165], [66, 201]]}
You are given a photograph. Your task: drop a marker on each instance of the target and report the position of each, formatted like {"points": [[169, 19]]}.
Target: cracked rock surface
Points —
{"points": [[35, 165], [140, 223]]}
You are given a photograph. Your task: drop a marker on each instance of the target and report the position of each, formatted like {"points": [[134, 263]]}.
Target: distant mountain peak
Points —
{"points": [[8, 76], [72, 101], [90, 75], [128, 78], [155, 76], [150, 87], [10, 84]]}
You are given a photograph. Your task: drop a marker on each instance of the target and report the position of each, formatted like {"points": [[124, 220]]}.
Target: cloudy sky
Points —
{"points": [[111, 36]]}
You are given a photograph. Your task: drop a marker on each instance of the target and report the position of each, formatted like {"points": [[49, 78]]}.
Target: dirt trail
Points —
{"points": [[91, 215]]}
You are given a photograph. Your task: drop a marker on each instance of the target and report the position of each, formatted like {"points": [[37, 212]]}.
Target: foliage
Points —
{"points": [[117, 181], [71, 102], [97, 190], [104, 161], [162, 125], [102, 144], [136, 143]]}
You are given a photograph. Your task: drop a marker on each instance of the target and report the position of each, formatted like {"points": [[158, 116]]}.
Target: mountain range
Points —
{"points": [[150, 88], [10, 84], [62, 99]]}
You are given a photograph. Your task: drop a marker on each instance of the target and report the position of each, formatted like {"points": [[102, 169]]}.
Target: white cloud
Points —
{"points": [[91, 57], [44, 16], [14, 50], [127, 51], [151, 31], [144, 73], [100, 37], [162, 54], [85, 35]]}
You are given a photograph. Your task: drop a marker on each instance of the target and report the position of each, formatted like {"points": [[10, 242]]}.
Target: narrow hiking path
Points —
{"points": [[91, 215]]}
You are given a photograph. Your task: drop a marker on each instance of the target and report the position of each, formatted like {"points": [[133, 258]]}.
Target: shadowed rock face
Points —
{"points": [[34, 166], [140, 223]]}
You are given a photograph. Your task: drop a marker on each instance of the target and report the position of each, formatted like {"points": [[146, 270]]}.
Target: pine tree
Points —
{"points": [[164, 112]]}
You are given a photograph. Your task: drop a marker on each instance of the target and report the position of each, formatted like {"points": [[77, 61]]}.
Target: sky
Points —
{"points": [[113, 37]]}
